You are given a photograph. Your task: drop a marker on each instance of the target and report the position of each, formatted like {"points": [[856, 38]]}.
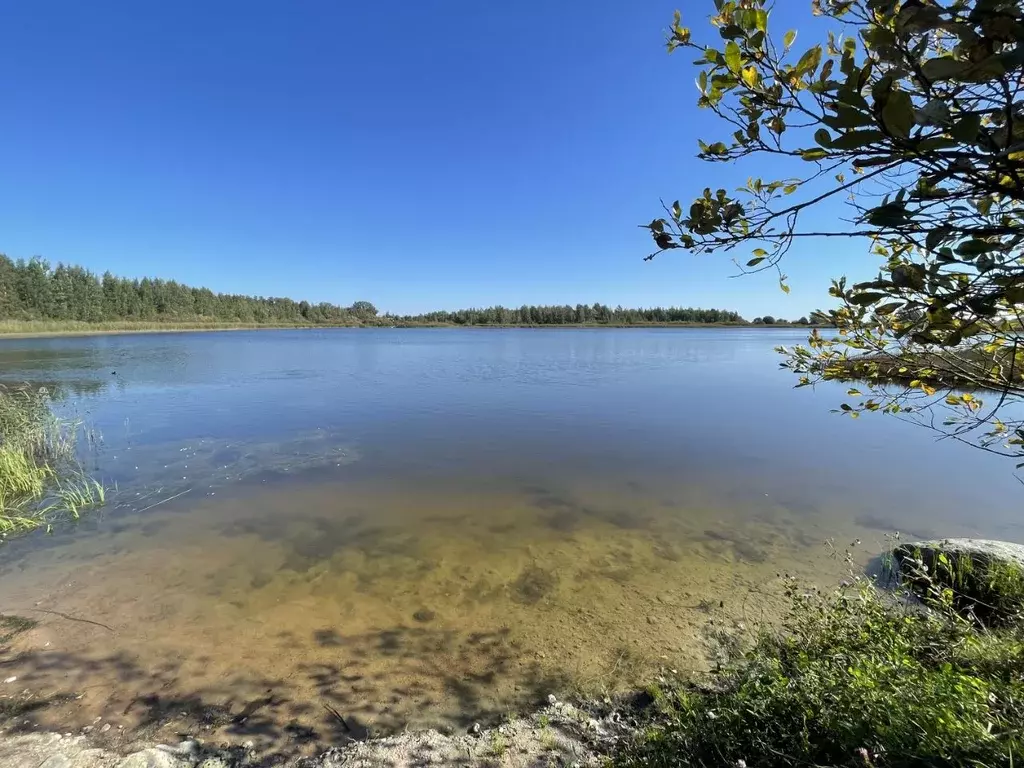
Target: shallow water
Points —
{"points": [[418, 527]]}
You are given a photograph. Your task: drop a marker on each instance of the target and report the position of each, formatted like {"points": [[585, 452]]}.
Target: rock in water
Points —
{"points": [[981, 552], [986, 577]]}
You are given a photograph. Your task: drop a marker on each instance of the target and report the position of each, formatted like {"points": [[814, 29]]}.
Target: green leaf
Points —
{"points": [[935, 143], [733, 57], [809, 61], [871, 162], [857, 139], [788, 39], [975, 247], [847, 117], [935, 112], [935, 238], [761, 20], [943, 68], [863, 299], [822, 137], [813, 154], [755, 261], [783, 286], [898, 114], [966, 128], [888, 309]]}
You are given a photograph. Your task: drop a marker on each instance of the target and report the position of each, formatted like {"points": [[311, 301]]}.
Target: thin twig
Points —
{"points": [[73, 618]]}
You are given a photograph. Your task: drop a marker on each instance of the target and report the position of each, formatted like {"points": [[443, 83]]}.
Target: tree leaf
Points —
{"points": [[935, 112], [966, 128], [870, 162], [943, 68], [935, 238], [823, 137], [733, 57], [788, 39], [813, 154], [898, 114], [857, 139], [976, 247], [862, 299], [809, 61]]}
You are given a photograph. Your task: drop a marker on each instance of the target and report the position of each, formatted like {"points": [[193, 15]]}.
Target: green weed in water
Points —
{"points": [[40, 480]]}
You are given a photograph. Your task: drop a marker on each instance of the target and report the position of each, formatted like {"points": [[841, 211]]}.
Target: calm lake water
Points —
{"points": [[436, 526]]}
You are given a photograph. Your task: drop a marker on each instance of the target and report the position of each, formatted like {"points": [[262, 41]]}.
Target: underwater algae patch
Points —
{"points": [[11, 626]]}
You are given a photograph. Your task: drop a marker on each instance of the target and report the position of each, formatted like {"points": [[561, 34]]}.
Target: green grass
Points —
{"points": [[498, 746], [859, 676], [40, 480]]}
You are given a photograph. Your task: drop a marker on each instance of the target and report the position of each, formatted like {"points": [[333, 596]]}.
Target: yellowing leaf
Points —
{"points": [[733, 57]]}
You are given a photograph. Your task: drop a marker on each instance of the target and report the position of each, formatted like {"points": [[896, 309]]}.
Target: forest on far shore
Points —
{"points": [[34, 290]]}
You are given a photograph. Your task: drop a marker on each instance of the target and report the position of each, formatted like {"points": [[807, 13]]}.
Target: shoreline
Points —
{"points": [[559, 733], [186, 328]]}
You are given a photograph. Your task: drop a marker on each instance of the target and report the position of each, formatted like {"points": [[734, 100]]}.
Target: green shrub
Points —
{"points": [[855, 677]]}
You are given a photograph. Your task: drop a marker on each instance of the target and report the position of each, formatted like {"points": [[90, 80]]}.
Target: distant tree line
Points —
{"points": [[564, 314], [35, 290]]}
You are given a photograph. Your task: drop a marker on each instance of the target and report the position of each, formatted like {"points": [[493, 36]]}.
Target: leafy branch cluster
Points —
{"points": [[910, 114]]}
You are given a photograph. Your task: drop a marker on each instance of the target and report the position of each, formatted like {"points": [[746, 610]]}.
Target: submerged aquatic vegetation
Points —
{"points": [[40, 478]]}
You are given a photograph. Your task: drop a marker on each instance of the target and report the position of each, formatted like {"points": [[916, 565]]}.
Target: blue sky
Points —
{"points": [[419, 155]]}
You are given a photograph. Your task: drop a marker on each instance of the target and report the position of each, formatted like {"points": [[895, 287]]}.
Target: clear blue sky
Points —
{"points": [[416, 154]]}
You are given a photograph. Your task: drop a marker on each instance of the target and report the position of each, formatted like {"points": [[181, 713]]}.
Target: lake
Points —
{"points": [[433, 526]]}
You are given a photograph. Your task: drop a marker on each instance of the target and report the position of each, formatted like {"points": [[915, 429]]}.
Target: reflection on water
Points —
{"points": [[435, 527]]}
